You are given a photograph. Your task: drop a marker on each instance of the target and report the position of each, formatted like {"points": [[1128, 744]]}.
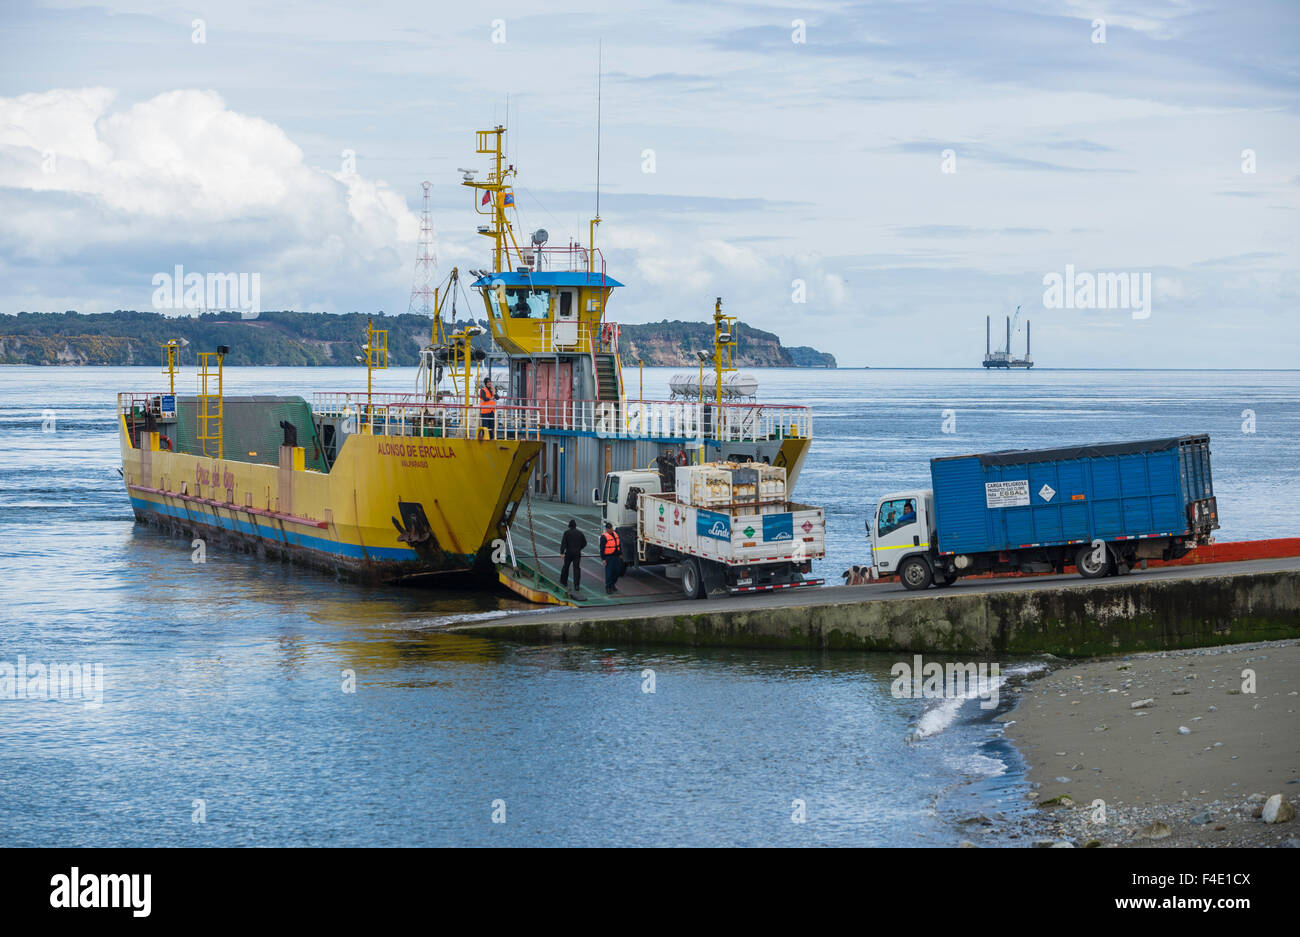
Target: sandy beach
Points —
{"points": [[1180, 747]]}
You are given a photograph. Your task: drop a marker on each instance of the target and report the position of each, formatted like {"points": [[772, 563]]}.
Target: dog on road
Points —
{"points": [[857, 575]]}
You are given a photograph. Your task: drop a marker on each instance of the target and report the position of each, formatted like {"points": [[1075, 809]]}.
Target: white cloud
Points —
{"points": [[181, 178], [818, 162]]}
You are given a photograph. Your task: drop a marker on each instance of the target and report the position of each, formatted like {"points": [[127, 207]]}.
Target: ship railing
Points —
{"points": [[448, 416], [673, 419], [572, 259], [420, 415], [137, 409], [135, 404], [562, 336]]}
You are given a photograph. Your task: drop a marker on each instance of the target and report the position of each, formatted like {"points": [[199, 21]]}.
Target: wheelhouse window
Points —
{"points": [[528, 303], [565, 304]]}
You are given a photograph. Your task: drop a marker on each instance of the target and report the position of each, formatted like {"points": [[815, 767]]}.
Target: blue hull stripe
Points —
{"points": [[306, 541]]}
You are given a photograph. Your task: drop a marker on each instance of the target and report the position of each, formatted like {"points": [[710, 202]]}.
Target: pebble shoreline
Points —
{"points": [[1195, 747]]}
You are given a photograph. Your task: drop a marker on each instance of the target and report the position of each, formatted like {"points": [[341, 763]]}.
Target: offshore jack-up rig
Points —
{"points": [[1002, 358]]}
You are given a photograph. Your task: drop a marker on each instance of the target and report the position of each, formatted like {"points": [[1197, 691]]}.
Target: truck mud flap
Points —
{"points": [[737, 590]]}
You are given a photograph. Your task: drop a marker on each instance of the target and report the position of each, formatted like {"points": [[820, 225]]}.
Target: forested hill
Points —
{"points": [[319, 338], [674, 344]]}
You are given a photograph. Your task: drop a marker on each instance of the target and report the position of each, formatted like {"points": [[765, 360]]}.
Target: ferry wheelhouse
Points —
{"points": [[556, 357]]}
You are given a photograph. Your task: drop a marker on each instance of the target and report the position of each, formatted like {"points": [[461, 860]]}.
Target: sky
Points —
{"points": [[870, 179]]}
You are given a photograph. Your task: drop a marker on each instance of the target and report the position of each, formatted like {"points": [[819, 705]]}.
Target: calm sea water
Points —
{"points": [[223, 684]]}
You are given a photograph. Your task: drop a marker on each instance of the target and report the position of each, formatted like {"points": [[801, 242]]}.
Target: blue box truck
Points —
{"points": [[1102, 509]]}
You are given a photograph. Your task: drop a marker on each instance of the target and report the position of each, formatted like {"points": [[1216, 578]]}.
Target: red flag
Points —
{"points": [[486, 197]]}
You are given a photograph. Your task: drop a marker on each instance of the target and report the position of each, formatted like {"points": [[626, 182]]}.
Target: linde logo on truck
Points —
{"points": [[709, 524], [778, 527], [1012, 494]]}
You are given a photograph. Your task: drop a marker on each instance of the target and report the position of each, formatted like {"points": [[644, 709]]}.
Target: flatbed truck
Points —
{"points": [[719, 527]]}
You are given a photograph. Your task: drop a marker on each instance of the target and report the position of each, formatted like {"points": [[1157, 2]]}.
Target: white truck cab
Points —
{"points": [[902, 532], [617, 504]]}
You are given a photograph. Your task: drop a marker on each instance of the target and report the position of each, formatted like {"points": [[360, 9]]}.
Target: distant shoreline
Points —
{"points": [[293, 339], [672, 367]]}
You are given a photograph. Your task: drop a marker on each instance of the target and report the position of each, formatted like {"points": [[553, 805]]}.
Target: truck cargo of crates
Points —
{"points": [[1102, 509], [720, 526]]}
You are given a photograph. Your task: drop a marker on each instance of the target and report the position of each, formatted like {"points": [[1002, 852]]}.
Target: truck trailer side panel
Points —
{"points": [[733, 538], [1012, 500]]}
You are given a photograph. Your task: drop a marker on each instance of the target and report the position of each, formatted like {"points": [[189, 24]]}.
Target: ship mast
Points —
{"points": [[497, 190], [591, 245]]}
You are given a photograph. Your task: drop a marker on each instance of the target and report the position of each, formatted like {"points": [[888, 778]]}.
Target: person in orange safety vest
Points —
{"points": [[611, 552], [487, 409]]}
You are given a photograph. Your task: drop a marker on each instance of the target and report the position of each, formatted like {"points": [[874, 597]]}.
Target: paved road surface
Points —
{"points": [[888, 592]]}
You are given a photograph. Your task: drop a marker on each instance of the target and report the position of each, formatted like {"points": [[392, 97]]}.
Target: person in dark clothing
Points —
{"points": [[667, 468], [571, 546], [611, 555]]}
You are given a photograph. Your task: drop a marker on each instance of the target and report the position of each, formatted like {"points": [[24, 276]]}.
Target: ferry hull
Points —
{"points": [[390, 508]]}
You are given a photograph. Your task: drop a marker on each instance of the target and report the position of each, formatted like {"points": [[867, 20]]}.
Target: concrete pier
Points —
{"points": [[1174, 607]]}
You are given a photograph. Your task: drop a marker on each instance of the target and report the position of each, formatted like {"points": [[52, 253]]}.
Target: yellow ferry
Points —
{"points": [[387, 487], [356, 483]]}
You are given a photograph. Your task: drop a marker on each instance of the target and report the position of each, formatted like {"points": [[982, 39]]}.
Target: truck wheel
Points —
{"points": [[692, 581], [1088, 566], [915, 573]]}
